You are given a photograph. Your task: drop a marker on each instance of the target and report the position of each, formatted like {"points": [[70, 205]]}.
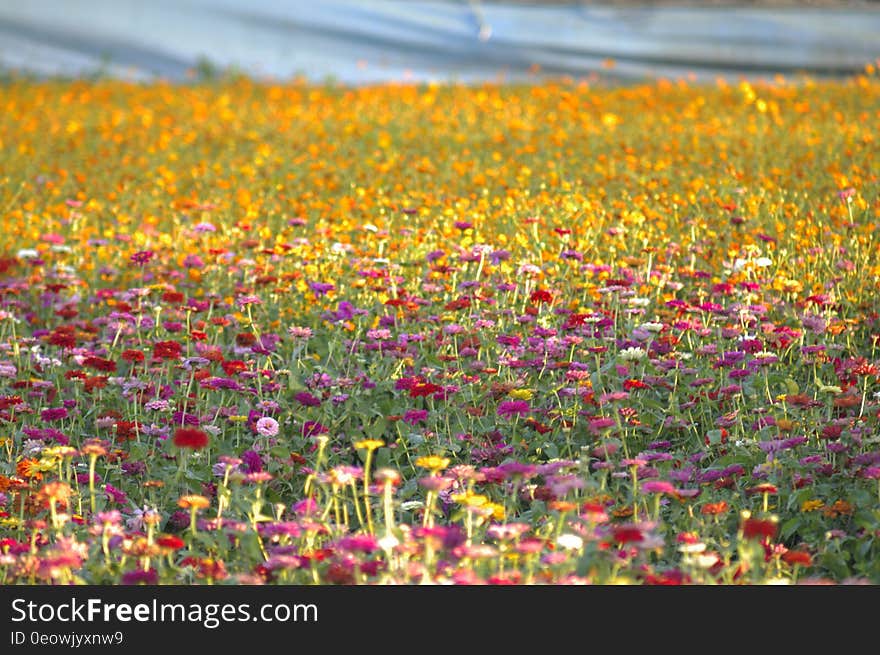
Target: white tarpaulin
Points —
{"points": [[386, 40]]}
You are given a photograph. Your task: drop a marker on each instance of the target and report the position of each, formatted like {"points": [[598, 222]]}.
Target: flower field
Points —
{"points": [[500, 334]]}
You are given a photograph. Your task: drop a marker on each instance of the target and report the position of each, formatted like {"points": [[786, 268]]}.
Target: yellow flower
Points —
{"points": [[497, 511], [433, 463], [811, 505], [369, 444], [521, 394]]}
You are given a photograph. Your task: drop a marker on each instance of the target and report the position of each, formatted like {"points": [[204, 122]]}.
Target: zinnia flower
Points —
{"points": [[267, 426], [190, 438], [511, 408]]}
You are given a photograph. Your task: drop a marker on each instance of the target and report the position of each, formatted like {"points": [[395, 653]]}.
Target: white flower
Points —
{"points": [[651, 326], [763, 262], [570, 541], [27, 253], [634, 354], [704, 561], [638, 301], [32, 447], [528, 269], [388, 542]]}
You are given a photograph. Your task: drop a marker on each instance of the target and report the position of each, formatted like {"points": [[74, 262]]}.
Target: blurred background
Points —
{"points": [[358, 42]]}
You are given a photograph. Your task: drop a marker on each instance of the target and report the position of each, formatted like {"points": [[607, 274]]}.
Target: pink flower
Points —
{"points": [[658, 487], [267, 426]]}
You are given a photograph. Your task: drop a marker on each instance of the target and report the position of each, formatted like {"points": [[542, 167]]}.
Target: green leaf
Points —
{"points": [[379, 428], [836, 563], [790, 527]]}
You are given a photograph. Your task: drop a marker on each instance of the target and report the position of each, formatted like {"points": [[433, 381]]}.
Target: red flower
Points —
{"points": [[170, 541], [132, 356], [127, 430], [172, 297], [424, 389], [763, 488], [233, 366], [541, 295], [63, 336], [100, 364], [167, 350], [460, 303], [831, 432], [797, 557], [759, 529], [190, 438], [625, 534], [95, 382]]}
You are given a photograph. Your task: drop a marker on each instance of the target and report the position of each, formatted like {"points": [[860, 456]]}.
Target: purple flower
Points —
{"points": [[252, 461], [321, 288]]}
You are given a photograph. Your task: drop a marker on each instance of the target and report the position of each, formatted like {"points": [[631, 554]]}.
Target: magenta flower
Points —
{"points": [[872, 472], [138, 576], [363, 543], [413, 416], [142, 257], [513, 408], [307, 399], [115, 495], [53, 414]]}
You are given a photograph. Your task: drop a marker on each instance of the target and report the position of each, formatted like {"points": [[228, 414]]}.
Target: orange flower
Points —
{"points": [[193, 501], [28, 469], [714, 509]]}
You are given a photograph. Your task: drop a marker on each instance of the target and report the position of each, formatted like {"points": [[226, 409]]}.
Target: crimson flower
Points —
{"points": [[190, 438], [759, 528]]}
